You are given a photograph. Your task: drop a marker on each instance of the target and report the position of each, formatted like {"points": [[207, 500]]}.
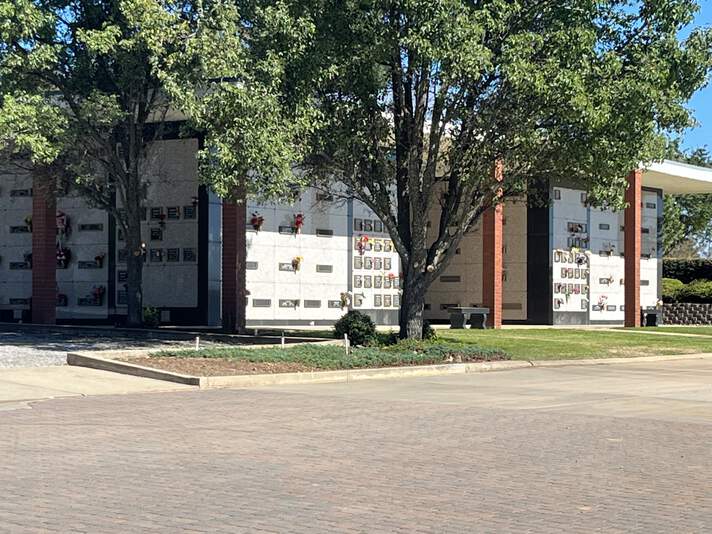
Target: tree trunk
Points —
{"points": [[412, 305], [134, 265]]}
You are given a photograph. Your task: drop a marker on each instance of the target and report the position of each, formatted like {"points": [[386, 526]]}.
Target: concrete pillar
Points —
{"points": [[632, 237], [234, 256], [44, 251], [492, 257]]}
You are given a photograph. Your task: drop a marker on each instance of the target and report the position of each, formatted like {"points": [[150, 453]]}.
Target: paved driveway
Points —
{"points": [[625, 448]]}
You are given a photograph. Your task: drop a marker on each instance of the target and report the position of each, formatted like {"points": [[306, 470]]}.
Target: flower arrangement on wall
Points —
{"points": [[345, 299], [64, 227], [298, 223], [257, 221], [602, 301], [361, 244], [99, 259], [64, 256], [97, 293], [28, 222], [297, 262]]}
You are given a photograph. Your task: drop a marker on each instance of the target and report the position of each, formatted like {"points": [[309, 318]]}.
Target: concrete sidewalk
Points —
{"points": [[20, 385]]}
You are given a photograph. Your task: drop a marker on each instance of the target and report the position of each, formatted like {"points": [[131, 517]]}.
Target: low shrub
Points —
{"points": [[671, 289], [698, 291], [357, 326], [428, 331], [151, 317]]}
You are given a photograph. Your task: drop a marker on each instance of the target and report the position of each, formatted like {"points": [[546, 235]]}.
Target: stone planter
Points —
{"points": [[687, 313]]}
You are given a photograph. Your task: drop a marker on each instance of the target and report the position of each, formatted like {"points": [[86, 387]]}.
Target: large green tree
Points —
{"points": [[91, 65], [91, 85], [687, 219], [426, 96]]}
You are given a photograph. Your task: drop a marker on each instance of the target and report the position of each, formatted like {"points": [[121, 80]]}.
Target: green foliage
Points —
{"points": [[671, 289], [253, 112], [151, 317], [358, 326], [429, 332], [697, 291], [687, 217], [687, 270], [334, 357], [88, 87]]}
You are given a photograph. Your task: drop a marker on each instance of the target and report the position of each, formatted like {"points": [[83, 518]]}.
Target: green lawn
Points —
{"points": [[699, 330], [552, 344]]}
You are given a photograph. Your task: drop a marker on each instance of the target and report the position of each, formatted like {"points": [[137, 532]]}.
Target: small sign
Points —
{"points": [[20, 229], [189, 255], [21, 192], [19, 302], [88, 301], [93, 227], [173, 255], [156, 255], [173, 212], [156, 234], [19, 266], [189, 212], [88, 265]]}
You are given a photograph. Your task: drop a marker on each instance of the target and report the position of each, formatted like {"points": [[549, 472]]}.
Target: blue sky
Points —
{"points": [[701, 103]]}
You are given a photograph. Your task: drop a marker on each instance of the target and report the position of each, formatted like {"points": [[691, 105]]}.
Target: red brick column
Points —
{"points": [[44, 251], [234, 256], [492, 258], [632, 237]]}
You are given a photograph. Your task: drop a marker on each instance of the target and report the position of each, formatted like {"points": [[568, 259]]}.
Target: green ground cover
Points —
{"points": [[335, 357]]}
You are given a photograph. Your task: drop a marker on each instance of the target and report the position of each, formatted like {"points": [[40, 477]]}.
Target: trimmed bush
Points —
{"points": [[428, 331], [698, 291], [357, 326], [151, 317], [671, 289], [687, 270]]}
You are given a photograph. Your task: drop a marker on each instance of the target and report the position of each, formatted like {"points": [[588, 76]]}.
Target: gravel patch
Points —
{"points": [[22, 349]]}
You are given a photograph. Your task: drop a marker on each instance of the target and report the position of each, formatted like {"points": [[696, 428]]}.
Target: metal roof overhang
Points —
{"points": [[678, 178]]}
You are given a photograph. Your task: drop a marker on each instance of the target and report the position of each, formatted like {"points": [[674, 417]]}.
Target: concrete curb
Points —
{"points": [[84, 359], [609, 361], [346, 375], [94, 362]]}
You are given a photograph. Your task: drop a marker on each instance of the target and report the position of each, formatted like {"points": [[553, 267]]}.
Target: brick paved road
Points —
{"points": [[595, 449]]}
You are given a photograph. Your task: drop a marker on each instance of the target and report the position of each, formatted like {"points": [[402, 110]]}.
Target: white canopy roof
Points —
{"points": [[678, 178]]}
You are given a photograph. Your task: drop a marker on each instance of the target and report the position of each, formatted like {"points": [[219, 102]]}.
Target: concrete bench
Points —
{"points": [[477, 317], [651, 317]]}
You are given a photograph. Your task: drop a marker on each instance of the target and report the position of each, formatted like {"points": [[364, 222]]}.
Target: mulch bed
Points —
{"points": [[226, 367], [217, 366]]}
